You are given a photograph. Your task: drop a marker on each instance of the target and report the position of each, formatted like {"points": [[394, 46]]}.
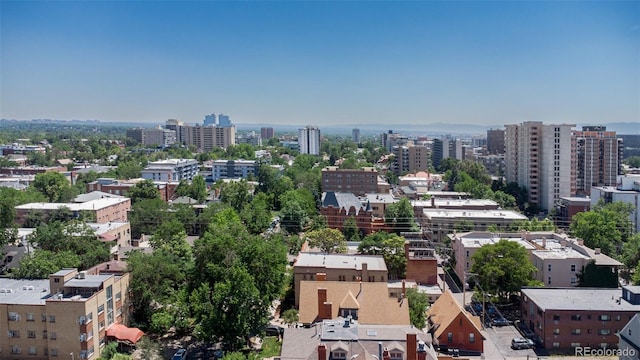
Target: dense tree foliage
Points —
{"points": [[400, 217], [503, 268], [606, 226], [633, 161], [418, 303], [143, 190], [327, 240], [391, 247], [54, 186]]}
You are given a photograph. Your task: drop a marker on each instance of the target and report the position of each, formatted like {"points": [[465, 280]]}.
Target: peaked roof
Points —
{"points": [[339, 346], [445, 310], [124, 334], [349, 301], [341, 201]]}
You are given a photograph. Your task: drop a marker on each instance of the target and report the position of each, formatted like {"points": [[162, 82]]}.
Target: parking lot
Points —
{"points": [[498, 344]]}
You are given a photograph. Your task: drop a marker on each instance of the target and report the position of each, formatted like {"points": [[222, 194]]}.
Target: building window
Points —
{"points": [[549, 280], [604, 332], [472, 338], [32, 350], [44, 334], [573, 267], [101, 309], [14, 333], [574, 281], [43, 317], [54, 352], [14, 316], [605, 318], [338, 355], [15, 349], [52, 336], [52, 318], [31, 334], [575, 332], [449, 337], [556, 344], [575, 344], [556, 317], [30, 317], [617, 317], [556, 331], [549, 267]]}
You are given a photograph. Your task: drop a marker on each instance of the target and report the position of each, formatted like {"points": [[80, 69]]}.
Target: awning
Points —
{"points": [[125, 334], [108, 237]]}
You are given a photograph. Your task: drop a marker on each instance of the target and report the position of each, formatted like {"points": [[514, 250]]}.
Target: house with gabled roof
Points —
{"points": [[629, 344], [338, 207], [452, 327]]}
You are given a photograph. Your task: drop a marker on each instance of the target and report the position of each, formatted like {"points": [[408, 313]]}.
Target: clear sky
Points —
{"points": [[317, 62]]}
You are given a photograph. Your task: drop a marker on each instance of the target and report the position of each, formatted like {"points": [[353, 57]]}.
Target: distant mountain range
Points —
{"points": [[433, 129]]}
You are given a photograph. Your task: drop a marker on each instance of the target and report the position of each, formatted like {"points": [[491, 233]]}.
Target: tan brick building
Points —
{"points": [[104, 210], [70, 313]]}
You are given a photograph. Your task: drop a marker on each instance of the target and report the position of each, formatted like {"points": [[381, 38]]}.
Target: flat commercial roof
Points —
{"points": [[471, 214], [339, 261], [454, 202], [24, 292], [90, 281], [579, 299], [89, 205]]}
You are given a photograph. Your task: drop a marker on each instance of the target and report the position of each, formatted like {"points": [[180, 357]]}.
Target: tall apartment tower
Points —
{"points": [[495, 141], [598, 158], [355, 135], [205, 138], [445, 148], [210, 120], [309, 140], [540, 157], [224, 121], [410, 159], [266, 133]]}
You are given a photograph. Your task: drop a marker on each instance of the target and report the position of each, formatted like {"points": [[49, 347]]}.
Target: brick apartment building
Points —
{"points": [[565, 318], [104, 210], [70, 313], [338, 267], [121, 187], [338, 207], [356, 181]]}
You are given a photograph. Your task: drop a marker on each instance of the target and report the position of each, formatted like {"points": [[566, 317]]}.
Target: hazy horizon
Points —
{"points": [[322, 63]]}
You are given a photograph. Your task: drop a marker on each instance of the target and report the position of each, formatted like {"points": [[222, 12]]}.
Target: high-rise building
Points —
{"points": [[136, 134], [210, 120], [309, 140], [355, 135], [224, 121], [598, 158], [495, 141], [266, 133], [540, 157], [159, 137], [204, 138], [445, 148], [410, 159]]}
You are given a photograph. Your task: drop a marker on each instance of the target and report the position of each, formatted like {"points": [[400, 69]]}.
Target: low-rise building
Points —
{"points": [[452, 327], [422, 265], [356, 181], [70, 313], [167, 189], [233, 169], [629, 343], [171, 170], [557, 258], [102, 210], [566, 319], [338, 207], [627, 190], [338, 267], [348, 339], [567, 207], [438, 223]]}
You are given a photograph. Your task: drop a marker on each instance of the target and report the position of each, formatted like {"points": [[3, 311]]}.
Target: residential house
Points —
{"points": [[629, 343], [452, 327]]}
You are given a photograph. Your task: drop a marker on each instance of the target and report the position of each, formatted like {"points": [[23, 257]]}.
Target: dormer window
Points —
{"points": [[339, 355], [395, 355]]}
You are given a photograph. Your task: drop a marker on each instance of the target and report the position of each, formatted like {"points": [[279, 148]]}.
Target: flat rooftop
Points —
{"points": [[454, 202], [472, 214], [579, 299], [89, 205], [476, 242], [340, 261], [24, 292]]}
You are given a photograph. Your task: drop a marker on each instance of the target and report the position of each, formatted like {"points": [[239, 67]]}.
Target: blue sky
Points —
{"points": [[291, 62]]}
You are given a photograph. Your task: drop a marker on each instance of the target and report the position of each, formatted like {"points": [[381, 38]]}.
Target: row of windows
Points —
{"points": [[556, 331], [578, 317], [472, 338], [14, 316], [32, 334]]}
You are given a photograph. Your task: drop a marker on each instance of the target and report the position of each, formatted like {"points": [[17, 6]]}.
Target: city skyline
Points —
{"points": [[322, 63]]}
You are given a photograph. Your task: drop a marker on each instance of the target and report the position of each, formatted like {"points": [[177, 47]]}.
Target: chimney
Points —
{"points": [[379, 349], [544, 243], [422, 350], [404, 289], [321, 276], [433, 201], [386, 355], [322, 352], [411, 347], [365, 271], [328, 310], [322, 298]]}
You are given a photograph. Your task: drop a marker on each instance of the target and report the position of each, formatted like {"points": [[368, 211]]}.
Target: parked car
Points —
{"points": [[180, 355], [521, 343], [274, 330], [500, 321]]}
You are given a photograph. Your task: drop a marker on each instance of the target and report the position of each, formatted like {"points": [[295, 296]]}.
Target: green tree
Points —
{"points": [[350, 229], [400, 217], [256, 215], [328, 240], [418, 303], [630, 256], [606, 226], [391, 247], [294, 217], [109, 350], [290, 317], [146, 215], [597, 276], [143, 190], [54, 186], [230, 310], [503, 268], [633, 161], [198, 189], [42, 263], [129, 170], [236, 194]]}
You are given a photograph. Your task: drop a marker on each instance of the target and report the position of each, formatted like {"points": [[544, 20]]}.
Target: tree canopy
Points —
{"points": [[503, 268], [606, 226], [328, 240], [391, 247]]}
